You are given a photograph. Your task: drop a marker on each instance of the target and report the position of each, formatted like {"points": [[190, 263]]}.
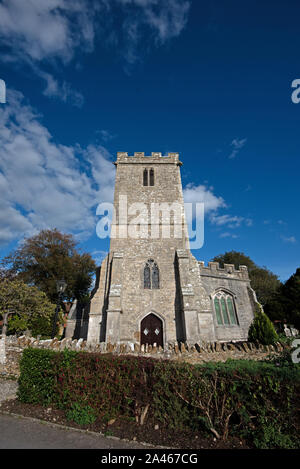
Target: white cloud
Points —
{"points": [[201, 193], [229, 221], [167, 18], [62, 91], [46, 184], [105, 135], [226, 234], [237, 145], [47, 29], [99, 256], [163, 19], [212, 204], [289, 239], [35, 32], [39, 32]]}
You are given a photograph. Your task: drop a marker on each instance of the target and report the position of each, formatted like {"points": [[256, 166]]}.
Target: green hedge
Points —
{"points": [[255, 400]]}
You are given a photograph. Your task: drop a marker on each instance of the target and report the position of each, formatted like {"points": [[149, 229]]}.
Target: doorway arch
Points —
{"points": [[152, 330]]}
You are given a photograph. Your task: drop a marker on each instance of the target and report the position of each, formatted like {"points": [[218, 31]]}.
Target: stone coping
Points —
{"points": [[172, 348]]}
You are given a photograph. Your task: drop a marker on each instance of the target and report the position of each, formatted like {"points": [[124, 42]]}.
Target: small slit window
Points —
{"points": [[151, 177], [145, 177], [225, 309]]}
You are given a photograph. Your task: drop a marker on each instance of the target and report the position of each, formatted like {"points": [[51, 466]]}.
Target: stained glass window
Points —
{"points": [[225, 309], [230, 308], [218, 311]]}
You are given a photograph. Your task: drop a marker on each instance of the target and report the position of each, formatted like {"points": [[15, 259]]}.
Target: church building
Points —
{"points": [[150, 288]]}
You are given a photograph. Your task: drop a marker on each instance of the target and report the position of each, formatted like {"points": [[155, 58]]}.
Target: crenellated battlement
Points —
{"points": [[229, 271], [141, 158]]}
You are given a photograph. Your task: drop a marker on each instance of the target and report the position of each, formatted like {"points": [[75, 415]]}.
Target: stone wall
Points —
{"points": [[237, 283], [122, 302], [183, 303], [210, 352]]}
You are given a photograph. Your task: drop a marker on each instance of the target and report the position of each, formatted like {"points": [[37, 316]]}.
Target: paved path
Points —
{"points": [[24, 433]]}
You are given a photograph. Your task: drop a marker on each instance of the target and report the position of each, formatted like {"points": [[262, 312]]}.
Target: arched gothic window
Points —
{"points": [[225, 309], [151, 275]]}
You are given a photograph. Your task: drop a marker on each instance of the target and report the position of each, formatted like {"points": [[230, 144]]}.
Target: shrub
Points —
{"points": [[262, 330], [37, 375], [239, 397], [27, 307], [83, 415]]}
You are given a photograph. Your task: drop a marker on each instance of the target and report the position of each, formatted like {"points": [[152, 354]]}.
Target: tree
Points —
{"points": [[290, 299], [291, 295], [276, 308], [49, 256], [263, 281], [285, 303], [6, 274], [236, 258], [25, 307], [262, 330]]}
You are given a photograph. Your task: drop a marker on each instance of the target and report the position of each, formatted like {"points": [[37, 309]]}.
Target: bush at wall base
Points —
{"points": [[258, 401], [262, 330]]}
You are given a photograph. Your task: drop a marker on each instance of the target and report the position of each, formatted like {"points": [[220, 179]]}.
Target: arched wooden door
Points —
{"points": [[152, 330]]}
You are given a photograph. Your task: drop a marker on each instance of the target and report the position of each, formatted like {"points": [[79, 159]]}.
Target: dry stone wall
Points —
{"points": [[210, 352]]}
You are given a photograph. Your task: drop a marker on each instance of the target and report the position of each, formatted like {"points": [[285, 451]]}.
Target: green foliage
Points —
{"points": [[40, 370], [262, 330], [281, 301], [285, 303], [49, 256], [81, 414], [264, 282], [246, 398], [27, 307], [285, 359], [37, 375], [291, 299], [236, 258], [276, 308], [272, 436]]}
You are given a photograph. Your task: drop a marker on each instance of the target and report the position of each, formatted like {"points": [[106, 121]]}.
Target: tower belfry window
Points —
{"points": [[145, 177], [148, 177], [151, 177]]}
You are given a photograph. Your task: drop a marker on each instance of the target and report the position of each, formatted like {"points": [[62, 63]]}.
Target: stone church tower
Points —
{"points": [[150, 288]]}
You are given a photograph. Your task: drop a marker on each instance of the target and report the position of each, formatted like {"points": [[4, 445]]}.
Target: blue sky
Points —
{"points": [[210, 80]]}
